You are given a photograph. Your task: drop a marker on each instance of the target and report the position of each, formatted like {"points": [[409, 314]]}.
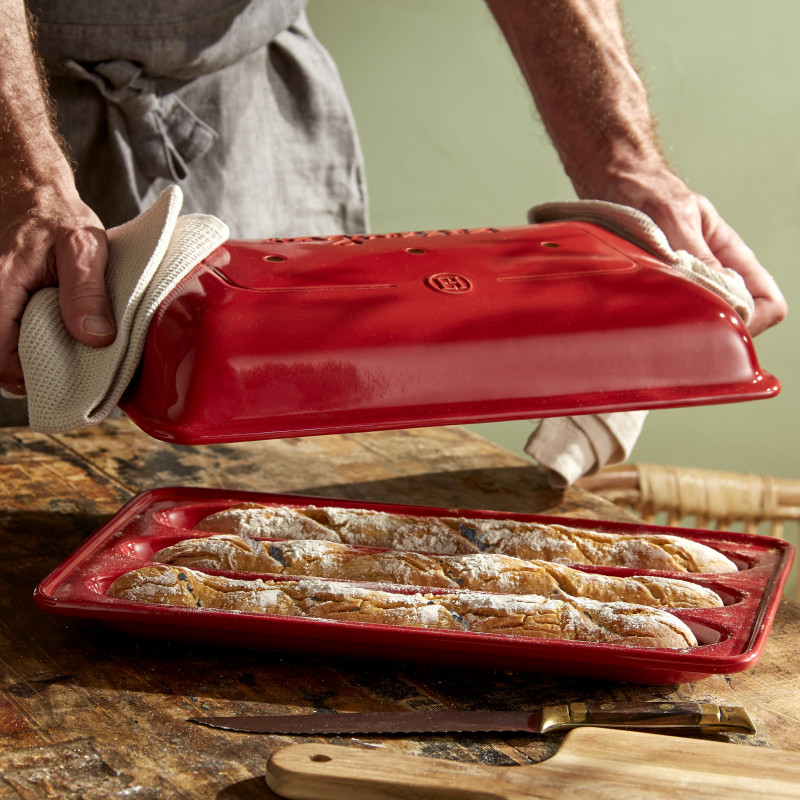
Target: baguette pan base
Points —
{"points": [[730, 638]]}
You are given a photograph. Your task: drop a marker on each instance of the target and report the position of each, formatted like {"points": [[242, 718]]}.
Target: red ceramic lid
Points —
{"points": [[349, 333]]}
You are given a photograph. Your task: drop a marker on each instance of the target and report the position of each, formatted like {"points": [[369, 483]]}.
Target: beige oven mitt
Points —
{"points": [[566, 448], [71, 385]]}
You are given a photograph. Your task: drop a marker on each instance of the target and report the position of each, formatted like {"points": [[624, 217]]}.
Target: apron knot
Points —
{"points": [[164, 133]]}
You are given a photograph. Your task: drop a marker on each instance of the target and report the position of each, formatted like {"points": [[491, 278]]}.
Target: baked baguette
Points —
{"points": [[576, 619], [453, 535], [478, 571]]}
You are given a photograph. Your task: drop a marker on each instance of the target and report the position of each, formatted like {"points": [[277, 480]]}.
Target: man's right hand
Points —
{"points": [[593, 103], [49, 237]]}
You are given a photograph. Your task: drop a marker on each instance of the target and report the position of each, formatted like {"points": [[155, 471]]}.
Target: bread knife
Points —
{"points": [[699, 717]]}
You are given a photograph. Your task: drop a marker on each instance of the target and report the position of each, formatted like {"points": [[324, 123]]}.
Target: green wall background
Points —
{"points": [[451, 139]]}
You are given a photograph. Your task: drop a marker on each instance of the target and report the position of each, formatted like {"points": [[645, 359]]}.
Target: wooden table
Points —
{"points": [[88, 713]]}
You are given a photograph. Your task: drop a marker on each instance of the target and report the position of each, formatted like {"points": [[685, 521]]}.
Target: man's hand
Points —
{"points": [[575, 59], [50, 238], [690, 222]]}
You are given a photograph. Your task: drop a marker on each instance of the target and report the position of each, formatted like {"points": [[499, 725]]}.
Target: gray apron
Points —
{"points": [[234, 101]]}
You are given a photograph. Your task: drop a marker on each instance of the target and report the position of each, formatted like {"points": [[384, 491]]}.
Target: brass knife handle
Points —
{"points": [[704, 717]]}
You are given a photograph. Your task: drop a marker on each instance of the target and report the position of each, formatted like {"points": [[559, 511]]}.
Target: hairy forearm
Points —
{"points": [[593, 103], [30, 153]]}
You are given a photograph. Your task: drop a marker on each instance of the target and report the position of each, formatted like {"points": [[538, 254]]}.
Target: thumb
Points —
{"points": [[80, 264]]}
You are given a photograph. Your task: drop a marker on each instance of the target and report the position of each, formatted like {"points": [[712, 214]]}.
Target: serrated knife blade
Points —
{"points": [[666, 716]]}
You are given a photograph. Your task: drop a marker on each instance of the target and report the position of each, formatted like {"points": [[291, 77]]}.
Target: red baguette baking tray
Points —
{"points": [[349, 333], [731, 638]]}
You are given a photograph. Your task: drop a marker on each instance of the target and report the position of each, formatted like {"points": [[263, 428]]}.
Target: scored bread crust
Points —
{"points": [[457, 535], [478, 571], [569, 618]]}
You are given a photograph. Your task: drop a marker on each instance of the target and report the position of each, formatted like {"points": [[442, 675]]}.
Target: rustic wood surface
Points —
{"points": [[89, 713]]}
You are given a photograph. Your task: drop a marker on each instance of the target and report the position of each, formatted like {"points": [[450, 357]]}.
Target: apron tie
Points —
{"points": [[164, 133]]}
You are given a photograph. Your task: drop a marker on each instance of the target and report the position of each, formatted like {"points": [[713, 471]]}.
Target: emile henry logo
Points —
{"points": [[449, 282]]}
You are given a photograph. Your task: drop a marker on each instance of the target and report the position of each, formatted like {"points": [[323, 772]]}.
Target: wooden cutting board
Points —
{"points": [[592, 764]]}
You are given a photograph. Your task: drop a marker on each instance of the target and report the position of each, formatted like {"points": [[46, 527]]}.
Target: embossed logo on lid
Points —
{"points": [[449, 282]]}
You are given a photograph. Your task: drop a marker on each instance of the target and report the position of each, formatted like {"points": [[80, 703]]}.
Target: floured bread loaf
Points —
{"points": [[477, 571], [453, 535], [577, 619]]}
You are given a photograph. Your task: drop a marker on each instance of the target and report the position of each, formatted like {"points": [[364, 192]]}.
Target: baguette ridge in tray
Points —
{"points": [[575, 619], [487, 572], [457, 535]]}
